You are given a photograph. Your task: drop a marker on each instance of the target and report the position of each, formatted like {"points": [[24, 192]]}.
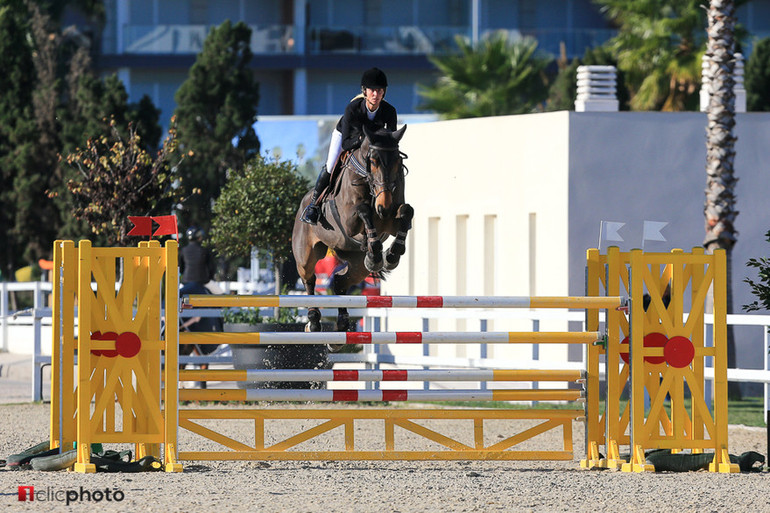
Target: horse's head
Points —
{"points": [[383, 164]]}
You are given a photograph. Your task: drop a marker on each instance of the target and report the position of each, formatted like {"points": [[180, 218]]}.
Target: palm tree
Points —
{"points": [[494, 78], [658, 47], [720, 209]]}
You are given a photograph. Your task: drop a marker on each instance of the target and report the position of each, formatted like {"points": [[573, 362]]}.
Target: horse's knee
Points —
{"points": [[405, 215], [405, 211], [364, 211]]}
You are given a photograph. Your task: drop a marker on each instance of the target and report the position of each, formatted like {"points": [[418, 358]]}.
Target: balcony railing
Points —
{"points": [[392, 40], [438, 39], [188, 39]]}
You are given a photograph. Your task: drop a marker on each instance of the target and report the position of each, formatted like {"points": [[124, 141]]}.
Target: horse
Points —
{"points": [[363, 206]]}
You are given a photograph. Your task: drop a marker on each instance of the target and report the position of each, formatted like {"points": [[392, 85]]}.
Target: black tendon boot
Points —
{"points": [[311, 213]]}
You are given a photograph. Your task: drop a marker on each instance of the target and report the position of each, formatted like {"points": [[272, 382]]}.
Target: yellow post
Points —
{"points": [[171, 350], [54, 424], [721, 461], [83, 463], [616, 371], [594, 429], [637, 462]]}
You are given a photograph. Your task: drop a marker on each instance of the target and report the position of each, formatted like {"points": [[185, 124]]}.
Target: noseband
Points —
{"points": [[366, 172]]}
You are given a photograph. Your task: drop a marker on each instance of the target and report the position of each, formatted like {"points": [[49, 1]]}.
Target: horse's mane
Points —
{"points": [[382, 137]]}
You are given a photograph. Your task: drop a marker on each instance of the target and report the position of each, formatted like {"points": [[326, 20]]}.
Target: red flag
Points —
{"points": [[142, 226], [166, 225]]}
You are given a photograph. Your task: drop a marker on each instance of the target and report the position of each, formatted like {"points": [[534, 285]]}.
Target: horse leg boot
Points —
{"points": [[314, 319], [373, 258], [398, 248], [313, 314]]}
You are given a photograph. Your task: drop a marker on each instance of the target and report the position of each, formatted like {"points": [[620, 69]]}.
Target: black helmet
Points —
{"points": [[374, 78], [195, 233]]}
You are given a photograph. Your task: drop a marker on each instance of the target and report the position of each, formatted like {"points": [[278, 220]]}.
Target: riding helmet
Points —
{"points": [[195, 233], [374, 78]]}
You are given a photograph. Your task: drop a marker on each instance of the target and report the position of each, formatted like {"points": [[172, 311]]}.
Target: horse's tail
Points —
{"points": [[382, 274]]}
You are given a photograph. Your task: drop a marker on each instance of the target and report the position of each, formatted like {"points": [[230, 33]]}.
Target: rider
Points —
{"points": [[368, 109]]}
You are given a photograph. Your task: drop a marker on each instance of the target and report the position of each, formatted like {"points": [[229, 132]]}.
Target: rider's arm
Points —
{"points": [[391, 117], [350, 126]]}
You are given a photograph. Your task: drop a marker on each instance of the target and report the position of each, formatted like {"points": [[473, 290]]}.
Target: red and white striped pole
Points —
{"points": [[262, 375], [304, 301], [379, 395], [399, 337]]}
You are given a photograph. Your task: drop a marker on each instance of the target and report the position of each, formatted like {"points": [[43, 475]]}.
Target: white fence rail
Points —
{"points": [[28, 331]]}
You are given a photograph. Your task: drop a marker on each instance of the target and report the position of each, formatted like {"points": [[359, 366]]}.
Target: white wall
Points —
{"points": [[476, 179], [571, 170]]}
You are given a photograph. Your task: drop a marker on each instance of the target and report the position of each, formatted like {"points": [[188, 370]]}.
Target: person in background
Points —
{"points": [[196, 263]]}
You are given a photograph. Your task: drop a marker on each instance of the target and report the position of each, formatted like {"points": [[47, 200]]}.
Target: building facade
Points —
{"points": [[309, 54]]}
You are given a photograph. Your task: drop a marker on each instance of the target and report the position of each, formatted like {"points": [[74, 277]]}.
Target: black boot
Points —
{"points": [[312, 212]]}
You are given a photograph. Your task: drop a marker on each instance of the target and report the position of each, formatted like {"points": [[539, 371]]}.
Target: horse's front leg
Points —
{"points": [[313, 314], [373, 259], [404, 217]]}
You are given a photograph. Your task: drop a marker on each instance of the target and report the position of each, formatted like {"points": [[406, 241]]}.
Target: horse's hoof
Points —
{"points": [[391, 261], [333, 348], [371, 265]]}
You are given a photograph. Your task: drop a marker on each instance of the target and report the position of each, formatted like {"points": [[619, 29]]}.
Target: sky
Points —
{"points": [[288, 135]]}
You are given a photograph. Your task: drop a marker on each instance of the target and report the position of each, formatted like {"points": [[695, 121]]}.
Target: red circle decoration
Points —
{"points": [[679, 352], [626, 357], [98, 335], [655, 340], [128, 344], [650, 340]]}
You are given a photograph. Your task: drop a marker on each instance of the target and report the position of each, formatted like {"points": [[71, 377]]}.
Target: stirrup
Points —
{"points": [[310, 215]]}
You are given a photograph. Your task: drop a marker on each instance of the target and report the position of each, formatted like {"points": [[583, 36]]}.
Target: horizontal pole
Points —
{"points": [[448, 455], [324, 337], [304, 301], [378, 395], [303, 375], [377, 413]]}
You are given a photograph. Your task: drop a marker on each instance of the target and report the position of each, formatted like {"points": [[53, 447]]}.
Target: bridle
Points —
{"points": [[366, 171]]}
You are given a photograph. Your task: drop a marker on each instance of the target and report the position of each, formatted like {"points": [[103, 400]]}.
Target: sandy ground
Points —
{"points": [[430, 486]]}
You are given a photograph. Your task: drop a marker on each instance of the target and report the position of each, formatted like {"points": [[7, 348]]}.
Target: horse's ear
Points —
{"points": [[368, 133], [398, 134]]}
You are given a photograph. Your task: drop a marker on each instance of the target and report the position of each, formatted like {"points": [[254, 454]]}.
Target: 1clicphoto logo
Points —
{"points": [[28, 493]]}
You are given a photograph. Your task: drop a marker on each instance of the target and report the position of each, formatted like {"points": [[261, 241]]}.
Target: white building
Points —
{"points": [[509, 205]]}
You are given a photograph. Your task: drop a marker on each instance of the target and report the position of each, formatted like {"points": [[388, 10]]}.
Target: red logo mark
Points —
{"points": [[26, 491]]}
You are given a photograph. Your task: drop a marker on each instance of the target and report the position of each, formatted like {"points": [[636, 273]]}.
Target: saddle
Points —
{"points": [[334, 179]]}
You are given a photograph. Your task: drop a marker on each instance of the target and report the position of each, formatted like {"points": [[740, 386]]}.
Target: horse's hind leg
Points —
{"points": [[373, 259], [307, 254], [343, 318], [398, 247]]}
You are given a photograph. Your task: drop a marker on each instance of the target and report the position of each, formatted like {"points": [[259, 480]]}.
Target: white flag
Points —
{"points": [[652, 230], [611, 230]]}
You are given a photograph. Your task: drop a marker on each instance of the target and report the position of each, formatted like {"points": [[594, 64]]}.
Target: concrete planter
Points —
{"points": [[285, 356]]}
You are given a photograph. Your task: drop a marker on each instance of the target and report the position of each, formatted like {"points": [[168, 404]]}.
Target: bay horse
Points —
{"points": [[363, 206]]}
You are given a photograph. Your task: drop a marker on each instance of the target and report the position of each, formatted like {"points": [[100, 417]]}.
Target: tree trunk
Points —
{"points": [[719, 210]]}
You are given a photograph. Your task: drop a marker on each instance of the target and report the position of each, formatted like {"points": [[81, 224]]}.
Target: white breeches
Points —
{"points": [[335, 148]]}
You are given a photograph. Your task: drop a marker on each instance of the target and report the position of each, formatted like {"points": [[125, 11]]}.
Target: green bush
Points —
{"points": [[761, 287], [257, 208]]}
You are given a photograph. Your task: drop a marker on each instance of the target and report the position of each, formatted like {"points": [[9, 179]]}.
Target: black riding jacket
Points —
{"points": [[196, 263], [352, 122]]}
